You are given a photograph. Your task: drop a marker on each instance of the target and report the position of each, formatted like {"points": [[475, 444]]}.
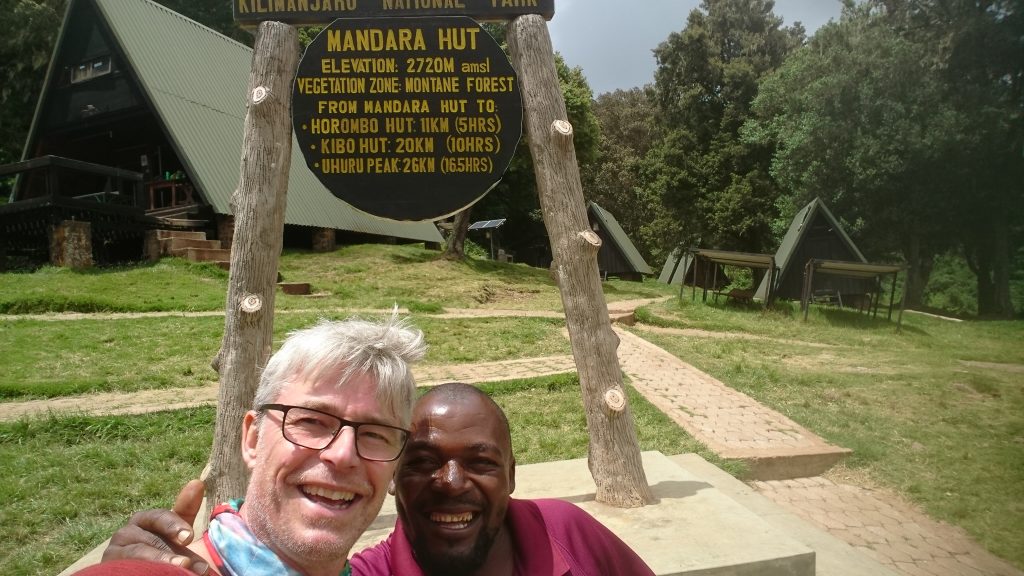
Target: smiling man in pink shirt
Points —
{"points": [[456, 515]]}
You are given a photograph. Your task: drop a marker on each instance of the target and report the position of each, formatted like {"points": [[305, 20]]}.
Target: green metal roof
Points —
{"points": [[671, 263], [794, 236], [195, 80], [619, 237]]}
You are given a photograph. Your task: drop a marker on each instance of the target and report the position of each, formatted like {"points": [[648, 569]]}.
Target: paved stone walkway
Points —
{"points": [[880, 524], [730, 423], [885, 527]]}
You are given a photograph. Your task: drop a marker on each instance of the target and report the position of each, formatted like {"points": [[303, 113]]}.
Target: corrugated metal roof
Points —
{"points": [[668, 270], [797, 230], [195, 80], [622, 241]]}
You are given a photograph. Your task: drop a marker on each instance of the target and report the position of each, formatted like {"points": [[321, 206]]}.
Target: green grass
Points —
{"points": [[360, 276], [67, 483], [47, 359], [170, 284], [948, 435]]}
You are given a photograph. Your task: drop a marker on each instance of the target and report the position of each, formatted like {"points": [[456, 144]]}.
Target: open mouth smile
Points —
{"points": [[452, 521], [329, 498]]}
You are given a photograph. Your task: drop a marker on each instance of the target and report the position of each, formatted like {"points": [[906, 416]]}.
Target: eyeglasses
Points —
{"points": [[316, 430]]}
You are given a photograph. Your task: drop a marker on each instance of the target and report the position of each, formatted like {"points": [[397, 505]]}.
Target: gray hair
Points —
{"points": [[352, 347]]}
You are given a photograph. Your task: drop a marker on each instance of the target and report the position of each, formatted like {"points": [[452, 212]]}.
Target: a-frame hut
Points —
{"points": [[617, 255], [679, 270], [814, 234], [145, 108]]}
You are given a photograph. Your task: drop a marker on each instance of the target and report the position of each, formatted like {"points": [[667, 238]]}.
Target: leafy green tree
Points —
{"points": [[28, 32], [629, 131], [978, 51], [515, 197], [214, 14], [867, 117], [706, 78]]}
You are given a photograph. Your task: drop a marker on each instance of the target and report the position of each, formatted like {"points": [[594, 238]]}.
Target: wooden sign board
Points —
{"points": [[252, 12], [407, 118]]}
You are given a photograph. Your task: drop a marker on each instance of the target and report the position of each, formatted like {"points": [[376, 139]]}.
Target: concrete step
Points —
{"points": [[703, 523], [207, 254], [833, 557], [177, 246], [190, 234], [692, 528], [185, 223]]}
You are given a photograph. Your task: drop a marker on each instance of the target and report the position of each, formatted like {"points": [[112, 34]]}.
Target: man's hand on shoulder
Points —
{"points": [[162, 535]]}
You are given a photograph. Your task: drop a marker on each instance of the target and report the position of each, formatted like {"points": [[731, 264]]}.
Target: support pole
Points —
{"points": [[892, 295], [614, 451], [903, 303], [259, 205]]}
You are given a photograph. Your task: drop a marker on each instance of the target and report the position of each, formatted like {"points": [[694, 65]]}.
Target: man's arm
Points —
{"points": [[162, 535]]}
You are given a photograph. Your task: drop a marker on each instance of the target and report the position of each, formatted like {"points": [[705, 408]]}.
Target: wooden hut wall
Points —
{"points": [[610, 260], [822, 242]]}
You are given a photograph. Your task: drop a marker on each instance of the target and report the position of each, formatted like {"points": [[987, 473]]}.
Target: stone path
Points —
{"points": [[883, 526], [878, 523], [730, 423]]}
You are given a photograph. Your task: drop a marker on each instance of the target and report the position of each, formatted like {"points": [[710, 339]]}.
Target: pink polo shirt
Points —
{"points": [[551, 537]]}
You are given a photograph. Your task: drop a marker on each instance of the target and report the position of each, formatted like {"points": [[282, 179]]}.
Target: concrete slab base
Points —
{"points": [[782, 464], [705, 523], [693, 529]]}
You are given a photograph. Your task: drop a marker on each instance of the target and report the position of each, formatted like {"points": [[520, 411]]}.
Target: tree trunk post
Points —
{"points": [[456, 247], [614, 451], [259, 205]]}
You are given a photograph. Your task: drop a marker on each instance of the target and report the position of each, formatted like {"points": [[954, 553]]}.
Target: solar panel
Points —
{"points": [[486, 224]]}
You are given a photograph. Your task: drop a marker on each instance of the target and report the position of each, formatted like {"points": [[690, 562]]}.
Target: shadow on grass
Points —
{"points": [[512, 272], [842, 318]]}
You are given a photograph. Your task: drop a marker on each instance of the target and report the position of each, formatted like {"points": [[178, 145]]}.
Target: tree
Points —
{"points": [[978, 53], [864, 118], [706, 78], [455, 249], [629, 130], [213, 14], [28, 32], [614, 451], [515, 196]]}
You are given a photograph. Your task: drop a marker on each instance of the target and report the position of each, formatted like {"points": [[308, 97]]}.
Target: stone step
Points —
{"points": [[207, 254]]}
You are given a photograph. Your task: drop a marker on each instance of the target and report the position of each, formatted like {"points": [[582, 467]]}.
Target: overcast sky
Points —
{"points": [[612, 39]]}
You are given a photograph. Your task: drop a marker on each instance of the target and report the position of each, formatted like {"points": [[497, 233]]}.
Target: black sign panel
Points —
{"points": [[407, 118], [322, 11]]}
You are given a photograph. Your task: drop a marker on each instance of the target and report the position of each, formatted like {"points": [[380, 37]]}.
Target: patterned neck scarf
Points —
{"points": [[238, 553]]}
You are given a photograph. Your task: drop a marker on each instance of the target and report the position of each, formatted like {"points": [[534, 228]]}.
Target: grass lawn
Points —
{"points": [[68, 483], [922, 410], [352, 277], [935, 412], [46, 359]]}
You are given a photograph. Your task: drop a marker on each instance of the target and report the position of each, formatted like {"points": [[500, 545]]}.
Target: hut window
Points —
{"points": [[91, 69]]}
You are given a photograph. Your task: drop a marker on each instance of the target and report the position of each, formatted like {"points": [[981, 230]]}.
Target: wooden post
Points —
{"points": [[614, 453], [259, 205]]}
